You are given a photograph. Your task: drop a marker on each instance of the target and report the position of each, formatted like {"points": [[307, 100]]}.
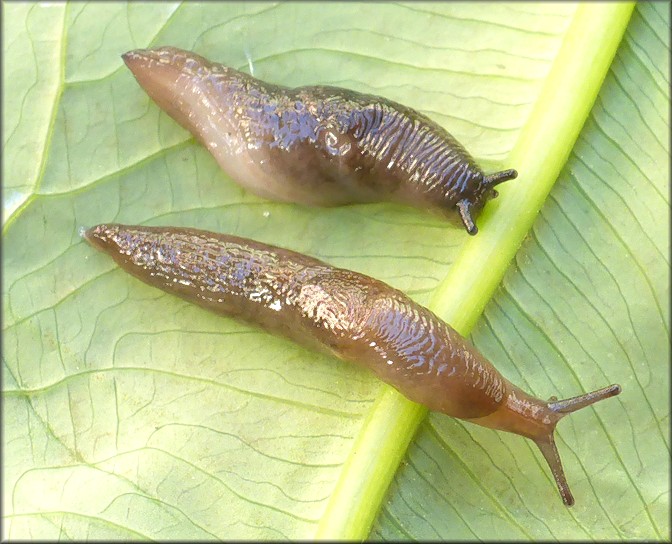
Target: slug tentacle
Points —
{"points": [[316, 145], [573, 404], [343, 313], [549, 450], [464, 207], [499, 177], [546, 443], [536, 419]]}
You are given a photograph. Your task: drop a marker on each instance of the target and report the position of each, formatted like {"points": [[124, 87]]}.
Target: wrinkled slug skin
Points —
{"points": [[317, 145], [346, 314], [352, 316]]}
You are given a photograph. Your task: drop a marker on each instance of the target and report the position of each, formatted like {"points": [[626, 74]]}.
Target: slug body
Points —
{"points": [[349, 315], [317, 145]]}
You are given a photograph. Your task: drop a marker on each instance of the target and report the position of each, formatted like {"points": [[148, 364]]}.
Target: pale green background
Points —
{"points": [[130, 414]]}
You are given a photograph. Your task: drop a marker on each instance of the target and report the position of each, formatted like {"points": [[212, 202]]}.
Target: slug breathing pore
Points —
{"points": [[315, 145], [345, 314]]}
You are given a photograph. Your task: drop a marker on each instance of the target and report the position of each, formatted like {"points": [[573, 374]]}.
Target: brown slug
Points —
{"points": [[316, 145], [344, 313]]}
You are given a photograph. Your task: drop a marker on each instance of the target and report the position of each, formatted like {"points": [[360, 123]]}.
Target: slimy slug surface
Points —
{"points": [[315, 145], [346, 314]]}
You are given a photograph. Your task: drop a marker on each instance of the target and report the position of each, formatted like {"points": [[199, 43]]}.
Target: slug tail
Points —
{"points": [[499, 177], [546, 443]]}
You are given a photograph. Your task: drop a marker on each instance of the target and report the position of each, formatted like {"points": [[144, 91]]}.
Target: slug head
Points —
{"points": [[536, 419], [477, 193]]}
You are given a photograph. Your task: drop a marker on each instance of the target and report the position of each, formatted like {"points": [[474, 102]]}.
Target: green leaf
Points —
{"points": [[129, 414]]}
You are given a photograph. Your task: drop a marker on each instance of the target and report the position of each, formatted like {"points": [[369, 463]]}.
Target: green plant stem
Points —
{"points": [[391, 423], [541, 151]]}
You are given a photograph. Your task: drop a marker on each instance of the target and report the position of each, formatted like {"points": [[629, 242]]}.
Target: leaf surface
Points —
{"points": [[130, 414]]}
